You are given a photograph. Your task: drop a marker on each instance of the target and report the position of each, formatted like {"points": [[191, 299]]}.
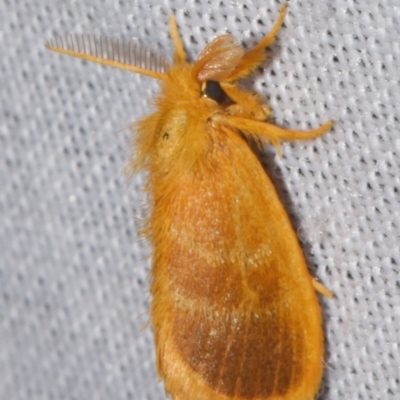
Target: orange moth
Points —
{"points": [[235, 312]]}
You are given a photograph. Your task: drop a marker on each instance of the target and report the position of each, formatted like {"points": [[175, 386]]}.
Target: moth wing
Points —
{"points": [[239, 318], [219, 58], [119, 53]]}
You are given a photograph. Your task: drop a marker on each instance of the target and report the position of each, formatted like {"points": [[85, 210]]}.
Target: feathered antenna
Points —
{"points": [[119, 53]]}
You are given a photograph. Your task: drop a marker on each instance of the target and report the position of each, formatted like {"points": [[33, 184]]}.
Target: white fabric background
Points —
{"points": [[73, 272]]}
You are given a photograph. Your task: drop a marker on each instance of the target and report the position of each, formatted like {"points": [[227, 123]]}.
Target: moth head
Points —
{"points": [[191, 92]]}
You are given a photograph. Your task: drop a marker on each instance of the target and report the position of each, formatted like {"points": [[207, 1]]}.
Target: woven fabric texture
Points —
{"points": [[73, 271]]}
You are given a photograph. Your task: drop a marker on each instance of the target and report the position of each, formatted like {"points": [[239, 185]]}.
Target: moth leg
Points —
{"points": [[263, 130], [246, 105], [270, 38], [257, 55], [320, 288], [180, 54], [276, 134]]}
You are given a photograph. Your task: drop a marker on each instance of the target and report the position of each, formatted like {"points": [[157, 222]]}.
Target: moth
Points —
{"points": [[234, 310]]}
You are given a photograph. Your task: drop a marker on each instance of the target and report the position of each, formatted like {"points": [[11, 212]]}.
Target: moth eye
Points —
{"points": [[214, 91]]}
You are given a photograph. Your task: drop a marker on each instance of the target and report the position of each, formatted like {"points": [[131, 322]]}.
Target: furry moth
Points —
{"points": [[234, 311]]}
